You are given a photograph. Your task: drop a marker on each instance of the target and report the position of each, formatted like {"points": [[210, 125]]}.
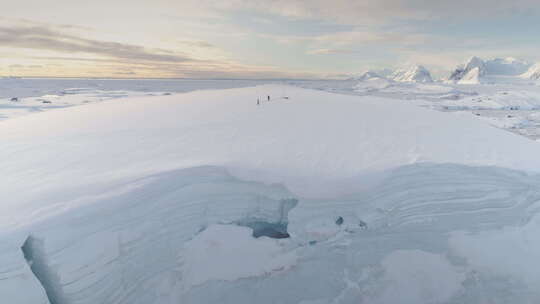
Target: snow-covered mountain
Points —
{"points": [[506, 66], [470, 73], [472, 77], [414, 74], [533, 73], [366, 76], [476, 69]]}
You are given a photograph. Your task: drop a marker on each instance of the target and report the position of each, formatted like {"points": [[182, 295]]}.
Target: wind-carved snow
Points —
{"points": [[132, 249]]}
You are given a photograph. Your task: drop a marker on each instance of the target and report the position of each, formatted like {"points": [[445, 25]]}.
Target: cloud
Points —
{"points": [[368, 11], [82, 56], [21, 66], [42, 38], [328, 51], [198, 44], [124, 60], [357, 36]]}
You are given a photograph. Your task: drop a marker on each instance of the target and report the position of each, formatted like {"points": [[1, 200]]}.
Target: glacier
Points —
{"points": [[311, 197]]}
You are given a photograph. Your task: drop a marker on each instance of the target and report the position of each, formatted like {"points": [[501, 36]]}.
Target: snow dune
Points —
{"points": [[104, 198]]}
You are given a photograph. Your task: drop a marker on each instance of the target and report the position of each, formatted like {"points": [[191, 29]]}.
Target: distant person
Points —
{"points": [[268, 97], [258, 102]]}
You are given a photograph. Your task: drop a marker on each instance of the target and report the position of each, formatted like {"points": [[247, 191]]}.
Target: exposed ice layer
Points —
{"points": [[405, 256], [441, 198], [267, 225], [32, 251], [18, 285], [449, 195], [121, 248]]}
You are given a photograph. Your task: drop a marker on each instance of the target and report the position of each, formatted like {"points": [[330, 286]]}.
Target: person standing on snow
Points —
{"points": [[268, 97]]}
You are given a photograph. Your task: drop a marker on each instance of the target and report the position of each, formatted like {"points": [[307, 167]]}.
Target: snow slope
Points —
{"points": [[111, 202], [187, 130]]}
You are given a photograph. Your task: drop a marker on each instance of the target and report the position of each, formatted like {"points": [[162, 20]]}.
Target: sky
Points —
{"points": [[258, 38]]}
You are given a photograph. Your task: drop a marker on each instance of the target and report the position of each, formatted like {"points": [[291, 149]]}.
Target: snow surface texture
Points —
{"points": [[122, 246], [139, 200]]}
